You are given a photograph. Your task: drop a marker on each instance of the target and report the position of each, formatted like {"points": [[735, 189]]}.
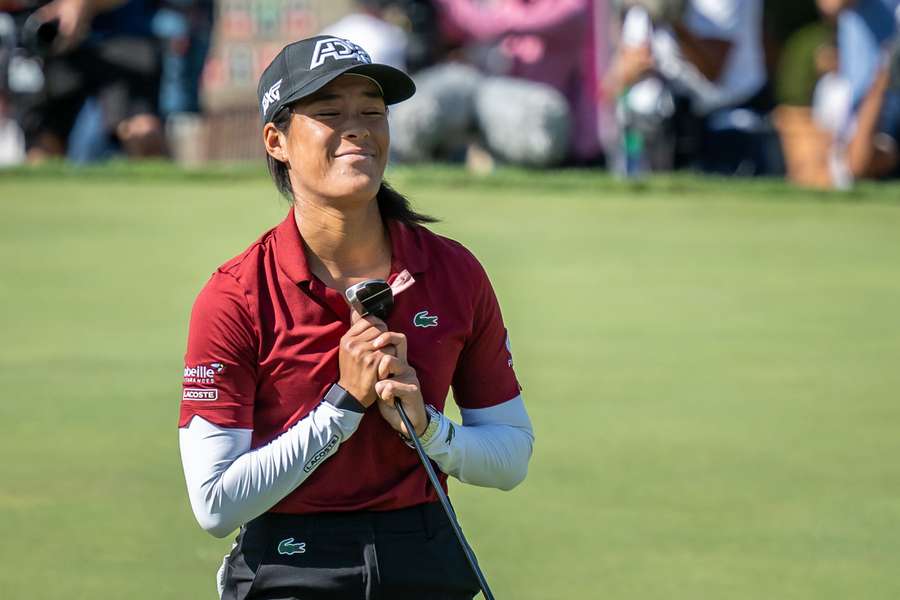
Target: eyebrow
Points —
{"points": [[321, 97]]}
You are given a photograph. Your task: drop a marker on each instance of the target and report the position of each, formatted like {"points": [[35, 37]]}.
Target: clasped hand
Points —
{"points": [[374, 368]]}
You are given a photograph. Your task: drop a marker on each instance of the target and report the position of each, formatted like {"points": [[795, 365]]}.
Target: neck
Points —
{"points": [[344, 246]]}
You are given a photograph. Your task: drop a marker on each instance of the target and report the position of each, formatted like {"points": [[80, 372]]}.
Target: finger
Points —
{"points": [[354, 317], [73, 24], [384, 390], [357, 322], [372, 321], [398, 340], [367, 335], [375, 322], [68, 29], [389, 366], [367, 322], [391, 389]]}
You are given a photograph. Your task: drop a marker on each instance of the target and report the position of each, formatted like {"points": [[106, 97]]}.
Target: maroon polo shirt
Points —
{"points": [[263, 350]]}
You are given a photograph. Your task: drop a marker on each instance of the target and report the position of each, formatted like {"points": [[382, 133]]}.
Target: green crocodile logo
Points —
{"points": [[423, 319], [288, 547]]}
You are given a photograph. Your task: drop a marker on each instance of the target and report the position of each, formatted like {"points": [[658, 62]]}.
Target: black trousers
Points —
{"points": [[409, 553]]}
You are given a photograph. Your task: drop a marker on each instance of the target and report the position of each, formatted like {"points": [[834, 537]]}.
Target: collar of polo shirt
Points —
{"points": [[405, 252]]}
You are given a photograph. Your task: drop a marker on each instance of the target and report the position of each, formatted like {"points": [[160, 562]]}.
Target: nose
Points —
{"points": [[356, 129]]}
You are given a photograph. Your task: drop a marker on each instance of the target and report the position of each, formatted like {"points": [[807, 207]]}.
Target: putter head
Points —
{"points": [[371, 297]]}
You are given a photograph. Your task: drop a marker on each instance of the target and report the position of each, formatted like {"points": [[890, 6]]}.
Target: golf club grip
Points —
{"points": [[445, 502]]}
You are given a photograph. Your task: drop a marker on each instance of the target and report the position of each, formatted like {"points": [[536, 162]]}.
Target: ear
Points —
{"points": [[274, 142]]}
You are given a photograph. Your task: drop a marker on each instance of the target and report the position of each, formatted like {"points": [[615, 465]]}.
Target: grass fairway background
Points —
{"points": [[713, 370]]}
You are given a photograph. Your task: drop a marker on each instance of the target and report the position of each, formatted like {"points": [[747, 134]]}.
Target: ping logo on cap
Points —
{"points": [[336, 48], [272, 95]]}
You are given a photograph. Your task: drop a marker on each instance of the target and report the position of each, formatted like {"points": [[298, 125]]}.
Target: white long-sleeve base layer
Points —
{"points": [[230, 484]]}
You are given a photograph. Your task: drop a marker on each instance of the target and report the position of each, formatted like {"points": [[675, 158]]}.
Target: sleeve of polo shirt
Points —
{"points": [[484, 375], [220, 362]]}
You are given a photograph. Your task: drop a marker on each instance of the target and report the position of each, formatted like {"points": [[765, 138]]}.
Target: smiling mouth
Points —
{"points": [[359, 153]]}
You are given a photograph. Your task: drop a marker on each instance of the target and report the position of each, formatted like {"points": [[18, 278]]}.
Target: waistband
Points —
{"points": [[427, 517]]}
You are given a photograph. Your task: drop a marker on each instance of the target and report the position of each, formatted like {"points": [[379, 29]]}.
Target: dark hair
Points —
{"points": [[391, 203]]}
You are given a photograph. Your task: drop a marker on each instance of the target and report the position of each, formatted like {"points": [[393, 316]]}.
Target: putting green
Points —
{"points": [[711, 368]]}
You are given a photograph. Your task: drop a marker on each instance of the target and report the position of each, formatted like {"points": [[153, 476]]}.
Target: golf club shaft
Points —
{"points": [[445, 502]]}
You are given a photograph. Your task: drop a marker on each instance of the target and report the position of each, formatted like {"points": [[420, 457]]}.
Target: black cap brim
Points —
{"points": [[396, 86]]}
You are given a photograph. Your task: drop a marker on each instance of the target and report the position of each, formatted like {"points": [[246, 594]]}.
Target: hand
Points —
{"points": [[634, 64], [399, 383], [630, 65], [74, 18], [403, 388], [832, 8], [359, 359]]}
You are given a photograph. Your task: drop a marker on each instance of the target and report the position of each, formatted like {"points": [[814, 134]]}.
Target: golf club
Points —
{"points": [[374, 297]]}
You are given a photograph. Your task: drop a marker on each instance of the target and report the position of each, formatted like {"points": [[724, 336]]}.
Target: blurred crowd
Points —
{"points": [[809, 89], [92, 79]]}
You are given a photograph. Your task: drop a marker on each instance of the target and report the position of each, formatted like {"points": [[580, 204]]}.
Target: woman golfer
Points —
{"points": [[288, 428]]}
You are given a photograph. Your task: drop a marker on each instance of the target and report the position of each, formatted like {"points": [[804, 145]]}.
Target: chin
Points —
{"points": [[363, 186], [359, 188]]}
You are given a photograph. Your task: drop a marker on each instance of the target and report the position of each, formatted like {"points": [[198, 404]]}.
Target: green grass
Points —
{"points": [[711, 367]]}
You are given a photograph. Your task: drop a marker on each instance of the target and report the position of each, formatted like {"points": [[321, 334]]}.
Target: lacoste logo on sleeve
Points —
{"points": [[322, 454], [288, 547], [272, 95], [198, 394], [335, 49], [423, 319]]}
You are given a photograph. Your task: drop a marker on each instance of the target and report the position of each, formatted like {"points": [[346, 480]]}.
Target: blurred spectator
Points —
{"points": [[100, 80], [385, 42], [873, 151], [809, 93], [708, 55], [12, 141], [185, 30], [794, 34], [869, 61], [401, 33], [781, 20], [805, 54], [863, 27], [525, 82]]}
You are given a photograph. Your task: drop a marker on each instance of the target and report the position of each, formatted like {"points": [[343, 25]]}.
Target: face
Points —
{"points": [[337, 143]]}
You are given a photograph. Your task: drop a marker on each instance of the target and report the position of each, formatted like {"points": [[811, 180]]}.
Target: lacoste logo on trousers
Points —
{"points": [[287, 547]]}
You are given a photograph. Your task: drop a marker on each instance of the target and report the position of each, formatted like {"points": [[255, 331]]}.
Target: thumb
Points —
{"points": [[384, 389]]}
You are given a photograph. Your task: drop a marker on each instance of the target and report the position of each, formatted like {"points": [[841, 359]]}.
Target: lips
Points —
{"points": [[356, 152]]}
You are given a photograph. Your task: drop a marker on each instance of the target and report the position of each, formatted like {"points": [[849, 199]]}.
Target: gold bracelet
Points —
{"points": [[434, 423]]}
